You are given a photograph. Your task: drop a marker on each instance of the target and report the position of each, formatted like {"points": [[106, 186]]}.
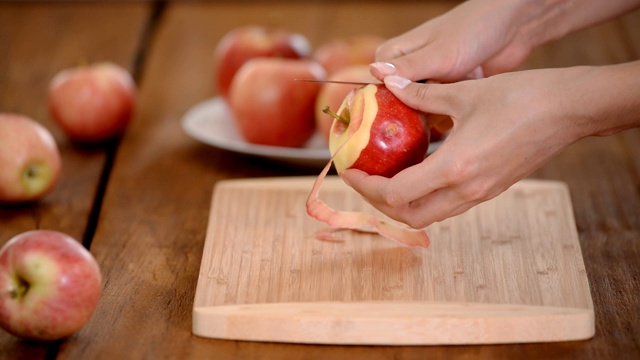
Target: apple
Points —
{"points": [[437, 134], [49, 285], [269, 105], [332, 94], [375, 132], [92, 103], [30, 161], [247, 42], [338, 53]]}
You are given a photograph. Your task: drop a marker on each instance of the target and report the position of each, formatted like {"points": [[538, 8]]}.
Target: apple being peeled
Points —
{"points": [[29, 159], [245, 43], [49, 285], [92, 103], [343, 52], [376, 133], [269, 106], [332, 94]]}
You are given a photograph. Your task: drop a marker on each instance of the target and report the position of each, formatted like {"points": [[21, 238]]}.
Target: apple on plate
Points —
{"points": [[269, 105], [49, 285], [333, 94], [375, 132], [338, 53], [30, 161], [247, 42], [92, 103]]}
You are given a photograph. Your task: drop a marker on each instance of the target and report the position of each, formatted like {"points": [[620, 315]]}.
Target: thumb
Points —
{"points": [[432, 98]]}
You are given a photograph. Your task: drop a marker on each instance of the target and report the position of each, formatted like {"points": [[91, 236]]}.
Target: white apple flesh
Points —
{"points": [[376, 133], [49, 285], [29, 159], [333, 94]]}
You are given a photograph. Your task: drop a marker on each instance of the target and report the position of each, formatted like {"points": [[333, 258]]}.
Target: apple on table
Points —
{"points": [[92, 103], [248, 42], [269, 106], [49, 285], [30, 162], [359, 49]]}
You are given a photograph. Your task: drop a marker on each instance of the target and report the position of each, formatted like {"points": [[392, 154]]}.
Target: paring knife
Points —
{"points": [[336, 82], [348, 82]]}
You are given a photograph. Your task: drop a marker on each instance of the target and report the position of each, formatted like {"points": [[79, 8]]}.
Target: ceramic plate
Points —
{"points": [[211, 122]]}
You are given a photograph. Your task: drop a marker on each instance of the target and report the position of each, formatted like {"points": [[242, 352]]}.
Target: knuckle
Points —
{"points": [[416, 222], [386, 52], [464, 176], [475, 191], [393, 197], [421, 93], [461, 170]]}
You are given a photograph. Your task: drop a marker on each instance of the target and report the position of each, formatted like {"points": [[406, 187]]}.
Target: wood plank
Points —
{"points": [[33, 53], [153, 231], [38, 40]]}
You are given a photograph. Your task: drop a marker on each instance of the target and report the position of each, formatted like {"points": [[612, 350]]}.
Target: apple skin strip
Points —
{"points": [[358, 221]]}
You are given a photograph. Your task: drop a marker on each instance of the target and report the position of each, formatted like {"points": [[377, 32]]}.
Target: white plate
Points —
{"points": [[211, 122]]}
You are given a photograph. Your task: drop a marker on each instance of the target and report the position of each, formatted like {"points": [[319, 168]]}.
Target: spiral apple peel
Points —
{"points": [[371, 123]]}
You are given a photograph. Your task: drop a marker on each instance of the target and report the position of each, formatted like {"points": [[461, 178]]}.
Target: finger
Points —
{"points": [[403, 44], [430, 98], [408, 185], [435, 206]]}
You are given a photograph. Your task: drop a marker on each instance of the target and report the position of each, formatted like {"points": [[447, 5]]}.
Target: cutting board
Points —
{"points": [[509, 270]]}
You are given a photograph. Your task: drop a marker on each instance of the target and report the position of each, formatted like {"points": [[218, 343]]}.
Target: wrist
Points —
{"points": [[599, 100]]}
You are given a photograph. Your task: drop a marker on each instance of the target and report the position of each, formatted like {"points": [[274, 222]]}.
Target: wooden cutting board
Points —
{"points": [[509, 270]]}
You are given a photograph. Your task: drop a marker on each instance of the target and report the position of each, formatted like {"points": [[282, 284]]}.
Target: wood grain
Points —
{"points": [[151, 230], [511, 263], [37, 40]]}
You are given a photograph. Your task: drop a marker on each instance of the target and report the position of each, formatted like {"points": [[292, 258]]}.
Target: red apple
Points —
{"points": [[245, 43], [376, 133], [29, 159], [353, 50], [49, 285], [332, 94], [269, 106], [92, 103]]}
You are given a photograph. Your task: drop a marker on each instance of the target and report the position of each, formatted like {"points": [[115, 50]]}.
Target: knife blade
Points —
{"points": [[336, 82]]}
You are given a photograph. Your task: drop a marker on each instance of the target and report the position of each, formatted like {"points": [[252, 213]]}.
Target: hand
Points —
{"points": [[504, 128], [474, 39]]}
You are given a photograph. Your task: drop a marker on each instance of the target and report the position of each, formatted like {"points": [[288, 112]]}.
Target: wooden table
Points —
{"points": [[141, 204]]}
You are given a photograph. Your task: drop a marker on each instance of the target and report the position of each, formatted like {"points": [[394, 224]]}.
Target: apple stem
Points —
{"points": [[328, 111], [19, 289]]}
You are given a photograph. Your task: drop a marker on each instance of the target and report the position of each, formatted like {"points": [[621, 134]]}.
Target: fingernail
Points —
{"points": [[382, 69], [396, 81]]}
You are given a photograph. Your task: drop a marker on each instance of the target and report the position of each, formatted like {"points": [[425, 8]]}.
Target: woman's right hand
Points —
{"points": [[475, 39]]}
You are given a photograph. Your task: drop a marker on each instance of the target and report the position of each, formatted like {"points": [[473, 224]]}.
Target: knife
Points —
{"points": [[335, 82]]}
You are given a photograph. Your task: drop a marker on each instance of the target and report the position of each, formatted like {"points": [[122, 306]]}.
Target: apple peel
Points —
{"points": [[356, 220]]}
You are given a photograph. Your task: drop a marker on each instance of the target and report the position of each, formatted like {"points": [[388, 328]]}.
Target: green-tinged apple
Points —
{"points": [[30, 161], [49, 285], [332, 94], [270, 106], [247, 42], [375, 132], [92, 103], [338, 53]]}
